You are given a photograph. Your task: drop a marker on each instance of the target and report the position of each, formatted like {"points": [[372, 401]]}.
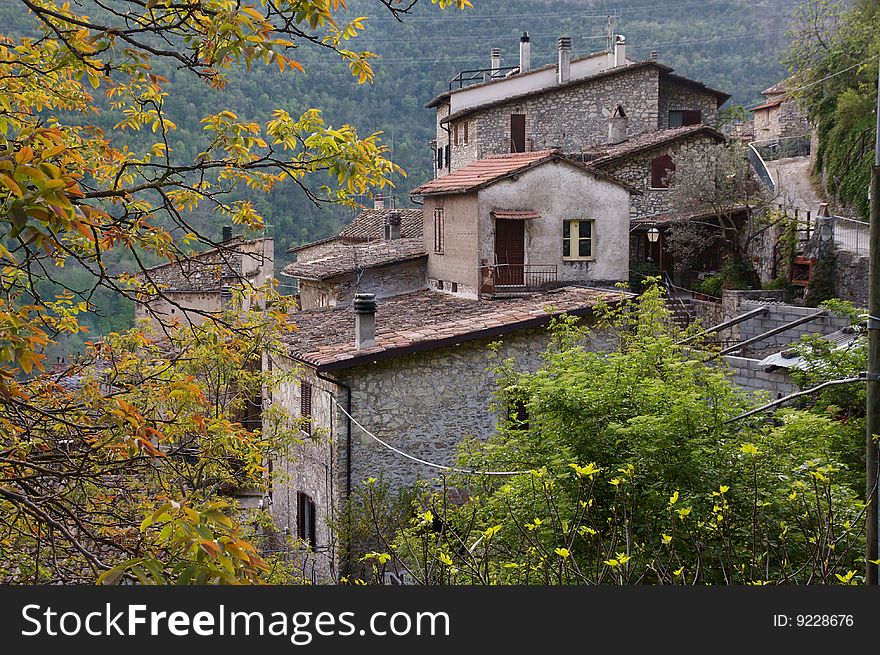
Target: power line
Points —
{"points": [[418, 460]]}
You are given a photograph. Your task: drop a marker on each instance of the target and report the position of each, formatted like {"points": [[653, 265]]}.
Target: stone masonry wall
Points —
{"points": [[851, 277], [573, 118], [677, 97], [384, 282], [636, 170], [778, 315]]}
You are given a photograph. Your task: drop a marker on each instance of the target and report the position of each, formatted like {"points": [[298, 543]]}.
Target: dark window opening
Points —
{"points": [[305, 519], [661, 167], [682, 117], [305, 406], [454, 287], [455, 135], [439, 158], [466, 136], [517, 133], [518, 411], [446, 155]]}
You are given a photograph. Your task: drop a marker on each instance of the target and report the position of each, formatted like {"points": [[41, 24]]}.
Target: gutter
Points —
{"points": [[321, 376]]}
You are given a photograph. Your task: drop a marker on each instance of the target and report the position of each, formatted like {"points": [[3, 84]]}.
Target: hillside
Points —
{"points": [[732, 45]]}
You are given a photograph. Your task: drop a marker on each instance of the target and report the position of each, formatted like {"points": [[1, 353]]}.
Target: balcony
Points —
{"points": [[515, 279]]}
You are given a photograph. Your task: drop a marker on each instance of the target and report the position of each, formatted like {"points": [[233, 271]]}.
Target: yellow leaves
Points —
{"points": [[847, 578], [564, 553], [488, 533], [588, 471], [665, 539], [684, 513], [444, 558], [749, 449], [12, 185], [678, 572], [619, 560], [673, 498]]}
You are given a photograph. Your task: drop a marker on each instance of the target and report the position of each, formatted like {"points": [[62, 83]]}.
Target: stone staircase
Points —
{"points": [[681, 308]]}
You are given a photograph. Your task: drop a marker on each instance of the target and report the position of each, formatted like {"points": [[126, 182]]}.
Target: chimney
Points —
{"points": [[654, 56], [563, 67], [525, 53], [378, 201], [617, 126], [227, 234], [392, 226], [495, 62], [619, 50], [364, 320]]}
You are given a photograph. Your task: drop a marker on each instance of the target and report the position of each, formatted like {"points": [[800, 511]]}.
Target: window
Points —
{"points": [[518, 411], [440, 158], [661, 167], [682, 117], [466, 130], [439, 238], [455, 139], [305, 519], [577, 240], [517, 133], [446, 155], [305, 406]]}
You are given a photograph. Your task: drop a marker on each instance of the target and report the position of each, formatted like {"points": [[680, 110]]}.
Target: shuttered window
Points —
{"points": [[305, 406], [466, 130], [517, 133], [455, 135], [577, 239], [661, 167], [305, 519], [439, 228], [682, 117], [446, 156]]}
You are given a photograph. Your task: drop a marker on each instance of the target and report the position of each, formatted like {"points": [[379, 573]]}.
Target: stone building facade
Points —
{"points": [[189, 291], [425, 384], [779, 117]]}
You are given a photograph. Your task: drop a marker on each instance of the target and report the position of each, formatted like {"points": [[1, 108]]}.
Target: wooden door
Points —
{"points": [[517, 133], [510, 251]]}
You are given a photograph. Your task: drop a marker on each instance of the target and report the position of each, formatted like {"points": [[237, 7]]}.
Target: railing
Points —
{"points": [[512, 277], [851, 235], [760, 167], [478, 76], [790, 146]]}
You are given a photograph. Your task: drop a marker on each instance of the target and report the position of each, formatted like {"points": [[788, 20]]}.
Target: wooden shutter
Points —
{"points": [[517, 133], [305, 519], [305, 405], [692, 117], [446, 154], [455, 134], [660, 169], [439, 158], [466, 130]]}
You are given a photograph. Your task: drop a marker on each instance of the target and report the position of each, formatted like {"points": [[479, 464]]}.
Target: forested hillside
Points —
{"points": [[732, 45]]}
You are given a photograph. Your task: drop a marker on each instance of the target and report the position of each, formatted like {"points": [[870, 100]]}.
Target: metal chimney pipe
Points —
{"points": [[392, 225], [364, 320], [619, 50], [563, 66], [525, 53], [495, 62]]}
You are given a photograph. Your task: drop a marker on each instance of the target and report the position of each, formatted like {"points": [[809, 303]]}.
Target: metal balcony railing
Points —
{"points": [[512, 277], [478, 76]]}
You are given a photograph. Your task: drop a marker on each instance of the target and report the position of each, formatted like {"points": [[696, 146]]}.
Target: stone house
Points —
{"points": [[191, 290], [411, 371], [513, 222], [779, 116], [575, 105]]}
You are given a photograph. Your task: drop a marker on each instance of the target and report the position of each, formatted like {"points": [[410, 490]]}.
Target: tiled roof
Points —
{"points": [[369, 225], [779, 87], [424, 320], [491, 169], [775, 102], [646, 141], [340, 258], [515, 214]]}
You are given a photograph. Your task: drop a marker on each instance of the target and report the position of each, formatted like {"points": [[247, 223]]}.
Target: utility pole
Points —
{"points": [[873, 383]]}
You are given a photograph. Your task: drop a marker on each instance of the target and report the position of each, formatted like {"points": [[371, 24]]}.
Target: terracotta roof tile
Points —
{"points": [[483, 172], [427, 319], [369, 225], [645, 141], [509, 214], [340, 258]]}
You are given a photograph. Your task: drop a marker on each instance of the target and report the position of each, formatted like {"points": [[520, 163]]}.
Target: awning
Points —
{"points": [[516, 215]]}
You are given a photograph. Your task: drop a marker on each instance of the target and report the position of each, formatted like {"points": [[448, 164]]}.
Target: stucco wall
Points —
{"points": [[560, 192], [459, 261], [678, 96]]}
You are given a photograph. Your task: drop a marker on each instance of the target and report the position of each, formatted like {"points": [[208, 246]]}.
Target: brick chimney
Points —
{"points": [[525, 53], [227, 234], [392, 226], [563, 66], [378, 201], [364, 320], [619, 50]]}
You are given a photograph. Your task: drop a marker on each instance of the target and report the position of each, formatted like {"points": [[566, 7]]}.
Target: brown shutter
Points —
{"points": [[305, 405], [517, 133], [692, 117], [660, 169]]}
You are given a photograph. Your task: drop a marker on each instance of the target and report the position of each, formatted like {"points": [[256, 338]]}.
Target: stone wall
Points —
{"points": [[636, 170], [573, 118], [675, 96], [851, 277], [779, 314]]}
